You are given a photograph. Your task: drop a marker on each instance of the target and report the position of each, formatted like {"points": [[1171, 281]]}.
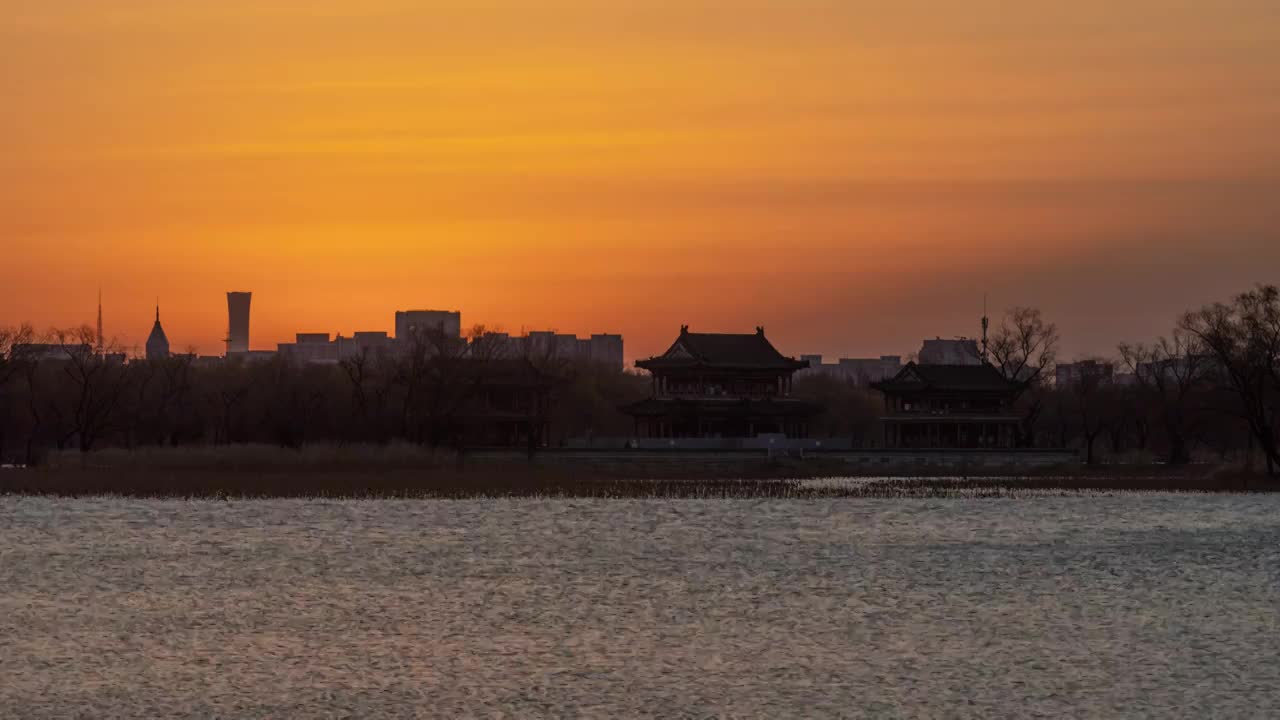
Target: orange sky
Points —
{"points": [[853, 175]]}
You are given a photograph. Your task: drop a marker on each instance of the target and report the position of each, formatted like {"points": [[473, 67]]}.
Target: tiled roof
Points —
{"points": [[948, 377], [745, 350]]}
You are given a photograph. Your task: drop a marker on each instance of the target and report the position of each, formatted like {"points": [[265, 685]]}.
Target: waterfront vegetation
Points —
{"points": [[1201, 409], [411, 471]]}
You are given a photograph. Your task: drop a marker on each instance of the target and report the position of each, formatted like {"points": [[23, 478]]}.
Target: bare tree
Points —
{"points": [[1127, 419], [11, 341], [1024, 349], [228, 389], [175, 396], [1244, 338], [140, 410], [1089, 398], [437, 375], [11, 366], [1171, 373], [370, 385], [96, 382]]}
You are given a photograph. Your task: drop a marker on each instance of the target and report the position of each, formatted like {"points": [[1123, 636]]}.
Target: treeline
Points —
{"points": [[1207, 390], [425, 393]]}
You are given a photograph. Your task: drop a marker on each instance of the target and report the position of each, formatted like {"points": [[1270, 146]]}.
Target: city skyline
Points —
{"points": [[852, 175], [124, 342]]}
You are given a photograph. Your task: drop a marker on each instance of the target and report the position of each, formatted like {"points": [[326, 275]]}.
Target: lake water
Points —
{"points": [[1121, 606]]}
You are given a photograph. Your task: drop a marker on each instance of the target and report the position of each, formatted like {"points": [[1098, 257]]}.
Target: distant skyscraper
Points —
{"points": [[409, 322], [157, 343], [238, 321], [606, 349]]}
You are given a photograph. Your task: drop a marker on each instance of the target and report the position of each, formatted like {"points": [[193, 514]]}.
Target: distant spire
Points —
{"points": [[101, 342], [157, 342]]}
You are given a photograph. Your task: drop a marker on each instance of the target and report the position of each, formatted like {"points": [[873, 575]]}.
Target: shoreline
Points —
{"points": [[775, 481]]}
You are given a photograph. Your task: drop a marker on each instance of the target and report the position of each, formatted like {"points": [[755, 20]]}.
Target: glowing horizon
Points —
{"points": [[853, 177]]}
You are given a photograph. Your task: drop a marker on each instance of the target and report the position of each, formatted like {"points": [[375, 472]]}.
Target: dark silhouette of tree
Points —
{"points": [[226, 392], [1244, 338], [1090, 401], [1126, 425], [370, 375], [1172, 375], [850, 409], [436, 375], [1024, 348], [11, 367], [87, 400]]}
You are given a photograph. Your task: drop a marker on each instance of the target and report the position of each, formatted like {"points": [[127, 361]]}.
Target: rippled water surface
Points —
{"points": [[1144, 605]]}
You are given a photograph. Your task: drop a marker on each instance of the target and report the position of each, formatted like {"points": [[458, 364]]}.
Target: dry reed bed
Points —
{"points": [[254, 471], [493, 482]]}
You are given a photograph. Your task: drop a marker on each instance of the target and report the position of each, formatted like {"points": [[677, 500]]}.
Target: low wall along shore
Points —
{"points": [[870, 459], [412, 471]]}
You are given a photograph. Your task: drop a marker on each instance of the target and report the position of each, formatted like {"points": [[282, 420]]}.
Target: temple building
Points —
{"points": [[157, 343], [949, 406], [721, 386]]}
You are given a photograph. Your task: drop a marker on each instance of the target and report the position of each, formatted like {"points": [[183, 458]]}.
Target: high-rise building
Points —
{"points": [[238, 322], [859, 371], [1070, 375], [157, 343], [548, 345], [606, 349], [409, 322]]}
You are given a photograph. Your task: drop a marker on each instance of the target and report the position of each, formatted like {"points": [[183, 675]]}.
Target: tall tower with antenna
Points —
{"points": [[101, 342]]}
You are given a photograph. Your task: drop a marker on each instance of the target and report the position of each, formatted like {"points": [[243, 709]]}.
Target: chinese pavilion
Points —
{"points": [[949, 406], [714, 385]]}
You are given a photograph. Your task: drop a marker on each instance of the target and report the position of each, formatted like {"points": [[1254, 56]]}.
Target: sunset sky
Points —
{"points": [[853, 175]]}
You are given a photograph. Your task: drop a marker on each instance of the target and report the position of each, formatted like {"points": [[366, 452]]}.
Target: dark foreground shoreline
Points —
{"points": [[771, 479]]}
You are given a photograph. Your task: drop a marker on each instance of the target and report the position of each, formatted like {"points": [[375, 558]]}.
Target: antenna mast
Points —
{"points": [[101, 342], [986, 323]]}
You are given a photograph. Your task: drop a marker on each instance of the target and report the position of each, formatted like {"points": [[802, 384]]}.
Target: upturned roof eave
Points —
{"points": [[665, 363]]}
